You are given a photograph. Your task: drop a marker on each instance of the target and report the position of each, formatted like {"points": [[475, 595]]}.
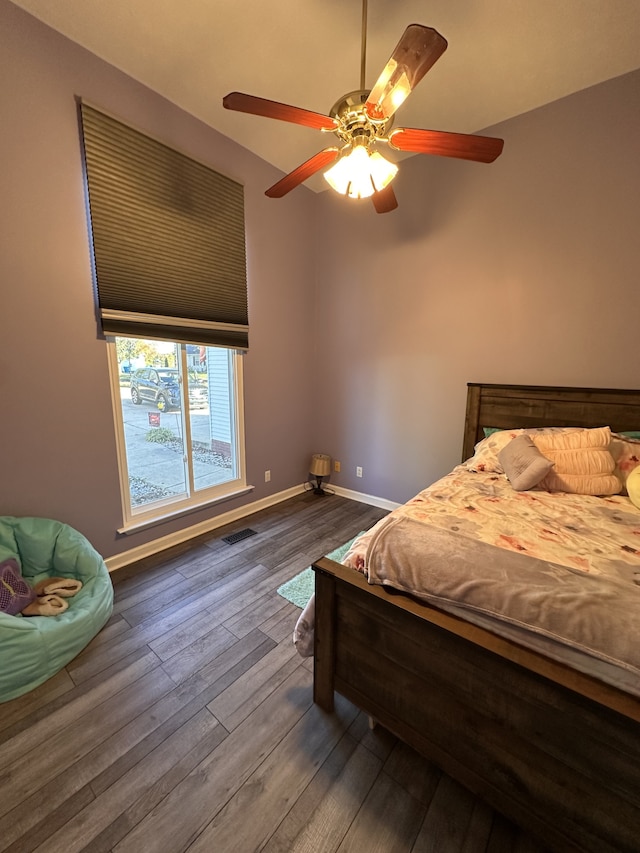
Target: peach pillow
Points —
{"points": [[583, 464]]}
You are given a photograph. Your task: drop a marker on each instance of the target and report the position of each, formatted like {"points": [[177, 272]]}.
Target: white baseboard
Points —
{"points": [[364, 499], [119, 561]]}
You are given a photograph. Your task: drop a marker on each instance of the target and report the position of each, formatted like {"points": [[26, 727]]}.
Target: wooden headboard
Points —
{"points": [[512, 406]]}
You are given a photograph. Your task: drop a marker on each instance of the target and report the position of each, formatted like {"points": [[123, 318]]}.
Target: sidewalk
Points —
{"points": [[157, 470]]}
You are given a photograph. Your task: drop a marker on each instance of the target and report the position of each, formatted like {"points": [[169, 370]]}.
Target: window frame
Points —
{"points": [[172, 507]]}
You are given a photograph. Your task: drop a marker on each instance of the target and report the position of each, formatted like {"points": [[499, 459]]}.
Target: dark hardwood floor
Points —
{"points": [[188, 722]]}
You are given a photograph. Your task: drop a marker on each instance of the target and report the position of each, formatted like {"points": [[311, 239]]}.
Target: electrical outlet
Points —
{"points": [[358, 471], [267, 476], [336, 466]]}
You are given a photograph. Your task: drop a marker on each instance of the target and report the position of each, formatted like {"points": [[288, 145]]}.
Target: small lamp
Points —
{"points": [[320, 467]]}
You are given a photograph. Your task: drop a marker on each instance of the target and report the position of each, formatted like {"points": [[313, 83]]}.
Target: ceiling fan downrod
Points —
{"points": [[363, 49]]}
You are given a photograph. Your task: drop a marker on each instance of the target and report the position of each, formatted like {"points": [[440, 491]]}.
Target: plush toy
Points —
{"points": [[46, 598], [633, 486]]}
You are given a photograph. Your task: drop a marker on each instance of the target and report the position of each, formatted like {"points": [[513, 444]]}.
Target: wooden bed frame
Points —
{"points": [[553, 749]]}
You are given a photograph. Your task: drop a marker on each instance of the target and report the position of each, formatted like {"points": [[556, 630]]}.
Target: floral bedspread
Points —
{"points": [[595, 535], [573, 594]]}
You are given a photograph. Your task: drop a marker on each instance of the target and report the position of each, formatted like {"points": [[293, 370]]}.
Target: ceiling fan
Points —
{"points": [[362, 121]]}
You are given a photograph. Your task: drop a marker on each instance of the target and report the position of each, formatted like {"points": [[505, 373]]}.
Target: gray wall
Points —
{"points": [[522, 271], [56, 431]]}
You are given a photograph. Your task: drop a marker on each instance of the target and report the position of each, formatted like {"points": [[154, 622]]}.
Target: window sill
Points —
{"points": [[134, 526]]}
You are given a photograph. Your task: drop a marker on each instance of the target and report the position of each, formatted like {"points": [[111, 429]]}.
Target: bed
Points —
{"points": [[544, 737]]}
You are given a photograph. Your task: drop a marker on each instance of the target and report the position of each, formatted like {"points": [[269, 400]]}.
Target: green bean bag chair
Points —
{"points": [[33, 648]]}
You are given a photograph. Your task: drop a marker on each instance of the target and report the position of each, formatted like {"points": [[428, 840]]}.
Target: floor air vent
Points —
{"points": [[239, 536]]}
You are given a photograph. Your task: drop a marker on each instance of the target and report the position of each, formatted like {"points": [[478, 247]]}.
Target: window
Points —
{"points": [[178, 414]]}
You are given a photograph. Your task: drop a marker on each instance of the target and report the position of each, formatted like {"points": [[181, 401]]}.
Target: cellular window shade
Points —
{"points": [[168, 239]]}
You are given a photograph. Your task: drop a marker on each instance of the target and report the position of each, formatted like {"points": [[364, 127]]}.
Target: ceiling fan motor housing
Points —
{"points": [[356, 126]]}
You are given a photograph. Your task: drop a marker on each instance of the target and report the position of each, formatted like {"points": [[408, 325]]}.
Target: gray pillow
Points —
{"points": [[523, 463]]}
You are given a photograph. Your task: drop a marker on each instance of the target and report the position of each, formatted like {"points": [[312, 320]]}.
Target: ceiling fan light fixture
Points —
{"points": [[383, 171], [360, 173]]}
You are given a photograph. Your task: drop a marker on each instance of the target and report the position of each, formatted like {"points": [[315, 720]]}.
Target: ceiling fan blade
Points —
{"points": [[384, 200], [272, 109], [310, 167], [482, 149], [418, 49]]}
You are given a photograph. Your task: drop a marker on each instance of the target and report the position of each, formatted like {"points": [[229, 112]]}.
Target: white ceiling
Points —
{"points": [[505, 57]]}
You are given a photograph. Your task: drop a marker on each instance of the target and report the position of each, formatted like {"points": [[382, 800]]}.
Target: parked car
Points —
{"points": [[161, 387]]}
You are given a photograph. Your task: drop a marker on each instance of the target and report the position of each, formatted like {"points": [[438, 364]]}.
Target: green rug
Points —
{"points": [[300, 589]]}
